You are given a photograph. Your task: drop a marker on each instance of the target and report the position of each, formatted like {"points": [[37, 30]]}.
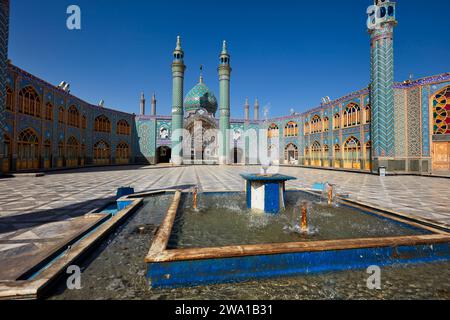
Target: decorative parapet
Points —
{"points": [[423, 81]]}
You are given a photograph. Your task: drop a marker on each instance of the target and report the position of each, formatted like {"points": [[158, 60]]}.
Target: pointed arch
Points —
{"points": [[29, 102], [352, 153], [72, 152], [102, 153], [123, 153], [9, 99], [368, 155], [316, 124], [316, 154], [73, 117], [352, 115], [291, 154], [27, 150], [102, 124], [7, 153], [326, 124], [441, 112], [337, 121], [291, 129], [123, 127], [49, 111], [273, 131], [337, 157]]}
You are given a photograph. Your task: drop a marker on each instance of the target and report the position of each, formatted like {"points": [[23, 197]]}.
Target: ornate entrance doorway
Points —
{"points": [[441, 156]]}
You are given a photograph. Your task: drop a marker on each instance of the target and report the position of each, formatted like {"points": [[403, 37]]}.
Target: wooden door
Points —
{"points": [[441, 156]]}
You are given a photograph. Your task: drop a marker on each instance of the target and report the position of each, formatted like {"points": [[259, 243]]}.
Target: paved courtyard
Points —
{"points": [[38, 211]]}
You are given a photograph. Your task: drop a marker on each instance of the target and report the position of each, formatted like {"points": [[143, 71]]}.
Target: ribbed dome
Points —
{"points": [[200, 98]]}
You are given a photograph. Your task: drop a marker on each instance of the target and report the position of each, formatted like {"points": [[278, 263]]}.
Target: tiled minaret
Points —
{"points": [[154, 104], [247, 110], [178, 69], [224, 107], [381, 25], [142, 104], [4, 32], [256, 110]]}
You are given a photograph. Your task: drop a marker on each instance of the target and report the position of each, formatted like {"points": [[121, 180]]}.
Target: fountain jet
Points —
{"points": [[195, 198], [304, 222], [330, 195]]}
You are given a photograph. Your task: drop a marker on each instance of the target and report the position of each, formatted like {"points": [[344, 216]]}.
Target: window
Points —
{"points": [[47, 149], [316, 154], [48, 111], [102, 153], [441, 111], [122, 152], [291, 129], [367, 114], [291, 153], [29, 102], [352, 115], [337, 121], [27, 150], [273, 131], [73, 148], [307, 129], [61, 115], [326, 124], [6, 146], [83, 122], [73, 117], [352, 153], [9, 99], [61, 149], [123, 128], [316, 124], [102, 124]]}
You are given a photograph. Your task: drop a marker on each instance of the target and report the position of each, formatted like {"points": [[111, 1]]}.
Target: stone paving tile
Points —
{"points": [[75, 192]]}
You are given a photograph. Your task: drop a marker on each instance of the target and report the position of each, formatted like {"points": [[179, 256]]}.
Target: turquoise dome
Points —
{"points": [[200, 98]]}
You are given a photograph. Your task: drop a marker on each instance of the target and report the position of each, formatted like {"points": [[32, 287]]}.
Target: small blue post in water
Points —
{"points": [[266, 192], [124, 191]]}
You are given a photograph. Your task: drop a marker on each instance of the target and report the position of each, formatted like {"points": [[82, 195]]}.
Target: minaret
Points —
{"points": [[256, 111], [246, 110], [154, 104], [178, 69], [4, 32], [224, 79], [142, 104], [381, 23]]}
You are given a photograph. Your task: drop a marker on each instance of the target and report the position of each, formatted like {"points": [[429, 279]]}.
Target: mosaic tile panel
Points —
{"points": [[400, 122], [414, 123], [426, 122]]}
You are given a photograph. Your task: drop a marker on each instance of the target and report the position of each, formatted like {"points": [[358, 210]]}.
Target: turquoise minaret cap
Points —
{"points": [[224, 56], [224, 47], [178, 54]]}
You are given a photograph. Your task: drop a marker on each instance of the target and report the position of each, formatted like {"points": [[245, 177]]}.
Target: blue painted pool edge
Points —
{"points": [[229, 270]]}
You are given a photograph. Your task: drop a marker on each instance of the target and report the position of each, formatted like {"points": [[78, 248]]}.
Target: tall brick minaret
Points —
{"points": [[381, 24], [4, 33]]}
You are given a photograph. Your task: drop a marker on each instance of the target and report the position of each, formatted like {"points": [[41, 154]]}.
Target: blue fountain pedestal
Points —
{"points": [[266, 192]]}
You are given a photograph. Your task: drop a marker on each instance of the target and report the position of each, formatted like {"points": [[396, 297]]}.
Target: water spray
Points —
{"points": [[304, 224], [195, 198], [330, 195]]}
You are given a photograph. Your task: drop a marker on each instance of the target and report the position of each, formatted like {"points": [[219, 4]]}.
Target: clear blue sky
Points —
{"points": [[288, 53]]}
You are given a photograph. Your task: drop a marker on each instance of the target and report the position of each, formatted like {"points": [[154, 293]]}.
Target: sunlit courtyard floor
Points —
{"points": [[78, 191], [38, 213]]}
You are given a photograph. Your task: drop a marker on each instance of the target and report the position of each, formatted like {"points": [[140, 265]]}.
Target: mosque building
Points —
{"points": [[404, 127]]}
